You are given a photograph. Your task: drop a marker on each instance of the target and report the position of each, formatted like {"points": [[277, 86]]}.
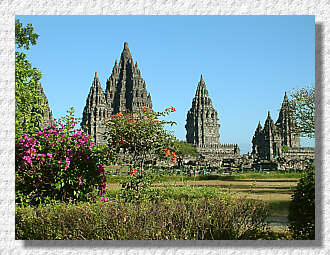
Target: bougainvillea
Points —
{"points": [[58, 163]]}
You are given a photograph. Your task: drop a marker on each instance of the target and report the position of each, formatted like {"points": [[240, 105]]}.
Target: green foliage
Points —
{"points": [[302, 103], [138, 188], [140, 136], [285, 148], [205, 219], [302, 208], [238, 176], [29, 105], [57, 163], [24, 36], [184, 149], [137, 137]]}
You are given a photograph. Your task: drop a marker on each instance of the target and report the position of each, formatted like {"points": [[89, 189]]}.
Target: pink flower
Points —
{"points": [[49, 155], [67, 160], [41, 157], [104, 199], [80, 178], [28, 159]]}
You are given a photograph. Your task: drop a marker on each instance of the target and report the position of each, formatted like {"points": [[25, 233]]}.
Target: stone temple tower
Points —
{"points": [[203, 126], [286, 125], [95, 111], [125, 91], [268, 142], [47, 115], [202, 119]]}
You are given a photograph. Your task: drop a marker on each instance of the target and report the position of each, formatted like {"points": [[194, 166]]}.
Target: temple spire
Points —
{"points": [[126, 54], [206, 131], [268, 115]]}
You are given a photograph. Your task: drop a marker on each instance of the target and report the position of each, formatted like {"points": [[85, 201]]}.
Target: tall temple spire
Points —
{"points": [[125, 91], [286, 124], [47, 114], [202, 119], [259, 127], [126, 54], [94, 110]]}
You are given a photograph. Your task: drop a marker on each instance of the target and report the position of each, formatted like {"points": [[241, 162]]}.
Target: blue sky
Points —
{"points": [[247, 62]]}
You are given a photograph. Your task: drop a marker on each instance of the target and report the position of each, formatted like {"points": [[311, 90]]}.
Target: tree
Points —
{"points": [[184, 149], [24, 35], [302, 103], [139, 136], [29, 104]]}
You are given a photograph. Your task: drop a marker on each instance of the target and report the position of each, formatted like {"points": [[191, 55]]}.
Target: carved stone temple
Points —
{"points": [[203, 126], [279, 141], [125, 90], [48, 115]]}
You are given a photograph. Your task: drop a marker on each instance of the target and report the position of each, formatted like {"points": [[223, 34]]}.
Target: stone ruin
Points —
{"points": [[125, 90], [276, 145], [203, 126], [279, 142], [48, 115]]}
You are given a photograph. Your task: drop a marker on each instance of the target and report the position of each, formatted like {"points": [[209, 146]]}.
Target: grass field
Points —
{"points": [[273, 188]]}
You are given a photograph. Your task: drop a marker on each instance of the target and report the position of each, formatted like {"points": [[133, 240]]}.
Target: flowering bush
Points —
{"points": [[139, 137], [58, 163]]}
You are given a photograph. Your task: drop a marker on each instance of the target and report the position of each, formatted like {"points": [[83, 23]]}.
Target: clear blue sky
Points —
{"points": [[248, 62]]}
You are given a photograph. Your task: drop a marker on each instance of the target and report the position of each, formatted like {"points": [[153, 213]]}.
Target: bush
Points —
{"points": [[302, 208], [139, 137], [205, 219], [57, 163]]}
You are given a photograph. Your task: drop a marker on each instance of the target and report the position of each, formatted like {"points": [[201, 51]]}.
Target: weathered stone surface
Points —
{"points": [[279, 141], [125, 91], [48, 115], [203, 126]]}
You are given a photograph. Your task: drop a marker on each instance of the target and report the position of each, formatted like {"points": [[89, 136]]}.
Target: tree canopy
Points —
{"points": [[302, 102], [183, 149], [29, 104], [24, 36]]}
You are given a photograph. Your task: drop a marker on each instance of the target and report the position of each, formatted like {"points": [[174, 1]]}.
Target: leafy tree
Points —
{"points": [[29, 104], [139, 136], [184, 149], [24, 35], [302, 102]]}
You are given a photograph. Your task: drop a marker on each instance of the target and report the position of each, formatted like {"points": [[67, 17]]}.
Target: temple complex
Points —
{"points": [[125, 91], [279, 141]]}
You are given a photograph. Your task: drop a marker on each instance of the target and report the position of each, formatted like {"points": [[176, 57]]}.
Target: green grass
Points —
{"points": [[221, 177]]}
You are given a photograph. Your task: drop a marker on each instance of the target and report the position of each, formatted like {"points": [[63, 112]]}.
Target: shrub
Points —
{"points": [[205, 219], [57, 163], [139, 136], [302, 208]]}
